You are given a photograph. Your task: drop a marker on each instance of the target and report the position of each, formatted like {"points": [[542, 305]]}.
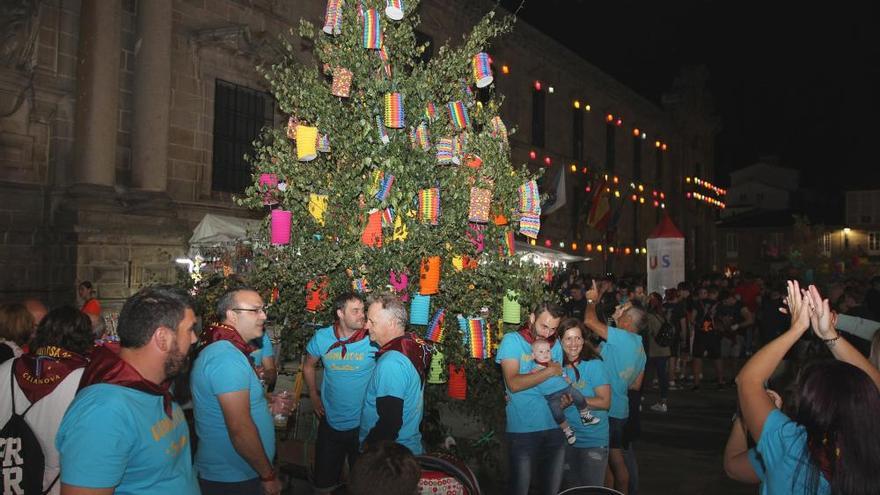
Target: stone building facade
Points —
{"points": [[109, 155]]}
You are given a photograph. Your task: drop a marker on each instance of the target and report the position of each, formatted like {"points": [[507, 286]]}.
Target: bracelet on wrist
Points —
{"points": [[270, 477], [832, 341]]}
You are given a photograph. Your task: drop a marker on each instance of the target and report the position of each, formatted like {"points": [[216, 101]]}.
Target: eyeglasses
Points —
{"points": [[261, 309]]}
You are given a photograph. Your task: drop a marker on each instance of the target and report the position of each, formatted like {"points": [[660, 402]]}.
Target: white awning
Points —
{"points": [[216, 230], [545, 255]]}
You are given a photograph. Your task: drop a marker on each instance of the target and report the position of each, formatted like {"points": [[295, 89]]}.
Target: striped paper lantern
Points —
{"points": [[458, 114], [482, 69], [372, 37], [394, 110]]}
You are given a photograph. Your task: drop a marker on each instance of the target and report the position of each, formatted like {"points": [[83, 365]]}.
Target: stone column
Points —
{"points": [[97, 92], [152, 96]]}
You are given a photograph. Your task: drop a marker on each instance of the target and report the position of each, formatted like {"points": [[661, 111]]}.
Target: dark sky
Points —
{"points": [[789, 80]]}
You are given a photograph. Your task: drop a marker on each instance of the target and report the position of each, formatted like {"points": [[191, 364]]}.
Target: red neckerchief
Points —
{"points": [[574, 366], [221, 331], [39, 373], [526, 333], [414, 348], [355, 337], [107, 367]]}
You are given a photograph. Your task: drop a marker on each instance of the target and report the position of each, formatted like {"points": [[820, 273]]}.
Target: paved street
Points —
{"points": [[680, 451]]}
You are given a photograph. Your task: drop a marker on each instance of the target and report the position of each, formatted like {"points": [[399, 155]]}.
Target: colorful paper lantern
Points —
{"points": [[474, 330], [498, 129], [430, 111], [435, 327], [482, 69], [292, 124], [279, 225], [394, 110], [333, 17], [435, 373], [316, 294], [529, 198], [386, 60], [399, 284], [372, 235], [341, 82], [318, 206], [508, 245], [372, 36], [429, 276], [394, 9], [458, 114], [457, 386], [323, 143], [479, 205], [530, 225], [444, 151], [419, 310], [511, 308], [429, 205], [306, 143], [420, 137], [400, 230], [385, 187]]}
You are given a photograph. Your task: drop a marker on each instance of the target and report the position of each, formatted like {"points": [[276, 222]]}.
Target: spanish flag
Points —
{"points": [[600, 207]]}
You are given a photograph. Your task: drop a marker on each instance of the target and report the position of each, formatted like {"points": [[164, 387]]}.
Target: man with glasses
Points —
{"points": [[233, 423]]}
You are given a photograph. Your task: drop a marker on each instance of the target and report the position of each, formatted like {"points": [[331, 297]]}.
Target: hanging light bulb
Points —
{"points": [[505, 70], [537, 85], [533, 155], [577, 104]]}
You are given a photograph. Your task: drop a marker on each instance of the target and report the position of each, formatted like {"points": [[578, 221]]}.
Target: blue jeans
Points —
{"points": [[586, 466], [247, 487], [541, 450], [553, 401]]}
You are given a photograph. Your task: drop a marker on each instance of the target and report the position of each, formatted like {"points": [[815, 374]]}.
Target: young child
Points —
{"points": [[554, 388]]}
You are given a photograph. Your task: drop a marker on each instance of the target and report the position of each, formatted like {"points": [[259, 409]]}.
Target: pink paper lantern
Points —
{"points": [[280, 227]]}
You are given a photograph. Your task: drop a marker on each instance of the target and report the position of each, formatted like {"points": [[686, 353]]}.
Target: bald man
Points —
{"points": [[36, 308]]}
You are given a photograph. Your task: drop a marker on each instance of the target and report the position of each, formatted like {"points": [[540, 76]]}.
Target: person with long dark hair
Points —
{"points": [[832, 443], [583, 366]]}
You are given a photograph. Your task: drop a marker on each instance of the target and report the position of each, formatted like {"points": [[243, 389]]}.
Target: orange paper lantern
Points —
{"points": [[429, 279], [316, 294], [372, 235]]}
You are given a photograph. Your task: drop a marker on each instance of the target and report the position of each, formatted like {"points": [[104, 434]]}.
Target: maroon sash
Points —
{"points": [[107, 367], [574, 366], [355, 337], [38, 373], [414, 348], [220, 331], [526, 333]]}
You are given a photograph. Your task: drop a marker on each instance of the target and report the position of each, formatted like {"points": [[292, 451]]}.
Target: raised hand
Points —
{"points": [[798, 307], [593, 293], [821, 316]]}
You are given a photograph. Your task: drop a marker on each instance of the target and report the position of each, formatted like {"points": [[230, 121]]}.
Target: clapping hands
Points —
{"points": [[807, 308]]}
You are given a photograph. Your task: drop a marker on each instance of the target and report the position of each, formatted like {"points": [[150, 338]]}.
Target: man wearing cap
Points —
{"points": [[348, 357], [235, 428]]}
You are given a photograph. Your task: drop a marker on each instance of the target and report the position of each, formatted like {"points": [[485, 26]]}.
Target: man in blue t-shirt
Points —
{"points": [[393, 403], [348, 360], [534, 439], [235, 429], [264, 361], [624, 357], [122, 433]]}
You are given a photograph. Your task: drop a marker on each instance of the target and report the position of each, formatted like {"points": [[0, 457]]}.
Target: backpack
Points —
{"points": [[708, 322], [19, 444], [666, 335]]}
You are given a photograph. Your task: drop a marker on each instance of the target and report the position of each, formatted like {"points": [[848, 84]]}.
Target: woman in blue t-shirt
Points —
{"points": [[832, 445], [587, 459]]}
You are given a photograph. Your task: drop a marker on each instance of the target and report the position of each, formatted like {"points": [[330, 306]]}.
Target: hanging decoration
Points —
{"points": [[530, 225], [323, 143], [333, 17], [479, 205], [474, 330], [429, 205], [385, 187], [457, 386], [280, 227], [529, 198], [511, 309], [268, 183], [508, 245], [444, 151], [372, 37], [318, 206], [429, 276], [316, 294], [482, 69], [372, 235], [458, 114], [341, 82], [394, 9], [306, 143], [434, 332], [419, 310], [419, 137], [435, 374], [394, 110], [399, 283], [383, 133]]}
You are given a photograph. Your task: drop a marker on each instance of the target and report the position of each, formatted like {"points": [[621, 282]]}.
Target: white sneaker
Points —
{"points": [[659, 407]]}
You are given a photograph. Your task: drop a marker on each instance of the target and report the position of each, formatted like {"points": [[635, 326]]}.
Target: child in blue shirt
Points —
{"points": [[554, 388]]}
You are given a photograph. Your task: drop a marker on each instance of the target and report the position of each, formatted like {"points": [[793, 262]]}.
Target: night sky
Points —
{"points": [[799, 83]]}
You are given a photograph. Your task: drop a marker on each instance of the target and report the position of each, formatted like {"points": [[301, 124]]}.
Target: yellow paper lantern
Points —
{"points": [[318, 206], [400, 230], [306, 143]]}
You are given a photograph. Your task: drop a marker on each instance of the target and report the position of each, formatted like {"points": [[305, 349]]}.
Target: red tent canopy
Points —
{"points": [[666, 229]]}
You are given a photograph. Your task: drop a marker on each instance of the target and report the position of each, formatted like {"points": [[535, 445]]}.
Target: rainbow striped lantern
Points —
{"points": [[444, 151], [482, 69], [511, 309], [420, 137], [394, 110], [419, 309], [474, 330], [385, 187], [458, 114], [306, 143], [435, 374], [458, 144], [430, 111], [435, 327], [508, 247], [529, 198], [279, 226], [372, 38], [394, 9], [333, 17], [383, 133], [429, 205], [530, 225], [386, 64], [269, 184]]}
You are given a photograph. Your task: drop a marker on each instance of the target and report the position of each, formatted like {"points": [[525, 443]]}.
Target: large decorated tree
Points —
{"points": [[390, 172]]}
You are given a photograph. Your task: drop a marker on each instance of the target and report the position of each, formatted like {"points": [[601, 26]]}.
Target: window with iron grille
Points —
{"points": [[874, 242], [240, 113]]}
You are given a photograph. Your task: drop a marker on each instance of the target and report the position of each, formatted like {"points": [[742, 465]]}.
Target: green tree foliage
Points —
{"points": [[346, 175]]}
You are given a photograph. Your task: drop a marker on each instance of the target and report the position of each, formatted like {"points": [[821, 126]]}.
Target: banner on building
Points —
{"points": [[665, 257]]}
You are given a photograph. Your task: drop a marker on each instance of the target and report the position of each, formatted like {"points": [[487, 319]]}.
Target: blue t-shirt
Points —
{"points": [[395, 376], [782, 448], [219, 369], [756, 463], [115, 436], [551, 385], [264, 351], [527, 409], [593, 374], [624, 358], [345, 379]]}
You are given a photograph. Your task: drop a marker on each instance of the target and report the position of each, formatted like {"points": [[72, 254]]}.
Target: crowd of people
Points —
{"points": [[573, 379]]}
